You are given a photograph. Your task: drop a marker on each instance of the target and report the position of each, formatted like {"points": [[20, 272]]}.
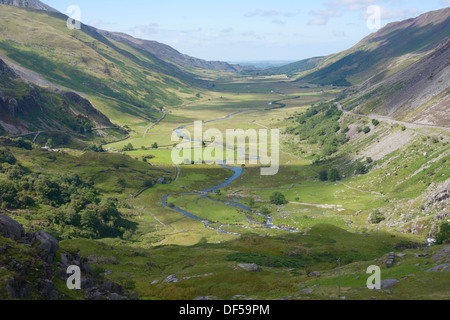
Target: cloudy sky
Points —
{"points": [[247, 30]]}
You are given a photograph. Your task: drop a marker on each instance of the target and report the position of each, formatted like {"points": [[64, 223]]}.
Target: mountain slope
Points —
{"points": [[419, 93], [26, 108], [122, 81], [290, 69], [29, 4], [169, 54], [398, 44]]}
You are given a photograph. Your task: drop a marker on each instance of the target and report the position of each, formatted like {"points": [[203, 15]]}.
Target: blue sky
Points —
{"points": [[237, 30]]}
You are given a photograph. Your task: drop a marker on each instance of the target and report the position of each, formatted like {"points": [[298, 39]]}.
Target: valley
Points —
{"points": [[354, 183]]}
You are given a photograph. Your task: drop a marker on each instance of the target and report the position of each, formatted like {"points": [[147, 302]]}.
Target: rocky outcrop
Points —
{"points": [[250, 267], [38, 261], [9, 228], [30, 4], [48, 246]]}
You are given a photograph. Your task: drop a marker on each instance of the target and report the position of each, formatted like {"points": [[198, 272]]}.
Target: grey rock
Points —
{"points": [[306, 291], [66, 259], [18, 288], [250, 267], [206, 298], [48, 245], [315, 274], [440, 268], [171, 279], [10, 228], [155, 282], [385, 284]]}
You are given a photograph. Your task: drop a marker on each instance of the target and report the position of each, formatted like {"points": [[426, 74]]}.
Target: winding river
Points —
{"points": [[237, 172]]}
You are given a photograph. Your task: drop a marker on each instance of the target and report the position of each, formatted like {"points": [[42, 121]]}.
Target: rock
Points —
{"points": [[155, 282], [114, 297], [440, 268], [250, 267], [66, 259], [206, 298], [10, 228], [385, 284], [48, 246], [171, 279], [47, 289], [18, 288], [306, 291], [315, 274]]}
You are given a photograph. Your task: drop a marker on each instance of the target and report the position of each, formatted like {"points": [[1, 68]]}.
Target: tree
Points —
{"points": [[128, 147], [8, 194], [335, 175], [323, 175], [155, 145], [375, 122], [376, 217], [360, 168], [278, 198], [251, 202], [443, 234], [366, 130], [50, 143]]}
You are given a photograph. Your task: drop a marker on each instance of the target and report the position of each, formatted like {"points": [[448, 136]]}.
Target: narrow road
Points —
{"points": [[409, 125]]}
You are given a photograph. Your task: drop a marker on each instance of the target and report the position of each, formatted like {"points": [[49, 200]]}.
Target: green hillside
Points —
{"points": [[379, 50]]}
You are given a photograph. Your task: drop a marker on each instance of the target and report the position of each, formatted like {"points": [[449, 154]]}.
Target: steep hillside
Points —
{"points": [[418, 93], [26, 108], [169, 54], [398, 44], [121, 81], [29, 4]]}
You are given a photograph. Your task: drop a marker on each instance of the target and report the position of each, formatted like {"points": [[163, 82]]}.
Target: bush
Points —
{"points": [[128, 147], [7, 157], [323, 175], [8, 194], [278, 198], [360, 168], [376, 217], [335, 175], [443, 234], [375, 122], [366, 130]]}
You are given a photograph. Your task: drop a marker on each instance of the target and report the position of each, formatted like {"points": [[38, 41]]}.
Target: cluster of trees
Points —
{"points": [[278, 198], [73, 206], [332, 175], [376, 217], [320, 125]]}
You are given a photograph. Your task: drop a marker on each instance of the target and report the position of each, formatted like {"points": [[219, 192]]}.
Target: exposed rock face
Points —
{"points": [[18, 288], [388, 283], [9, 228], [31, 4], [250, 267], [19, 285], [315, 274], [48, 246]]}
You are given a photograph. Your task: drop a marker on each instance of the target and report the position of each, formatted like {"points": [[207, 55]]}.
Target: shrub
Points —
{"points": [[278, 198], [443, 234], [376, 217], [128, 147], [323, 175], [366, 130], [375, 122], [335, 175], [8, 194]]}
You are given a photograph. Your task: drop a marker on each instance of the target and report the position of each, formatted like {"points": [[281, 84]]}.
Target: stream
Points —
{"points": [[237, 172]]}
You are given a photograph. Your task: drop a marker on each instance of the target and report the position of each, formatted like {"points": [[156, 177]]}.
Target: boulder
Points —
{"points": [[440, 268], [48, 245], [315, 274], [18, 288], [171, 279], [10, 228], [388, 283], [306, 291], [250, 267]]}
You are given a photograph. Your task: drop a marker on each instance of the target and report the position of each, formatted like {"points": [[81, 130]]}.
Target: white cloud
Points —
{"points": [[445, 2], [144, 30]]}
